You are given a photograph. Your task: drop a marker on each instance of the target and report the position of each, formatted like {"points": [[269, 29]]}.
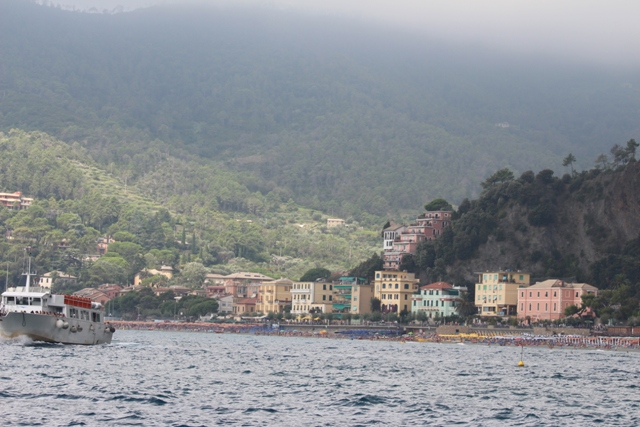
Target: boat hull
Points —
{"points": [[42, 327]]}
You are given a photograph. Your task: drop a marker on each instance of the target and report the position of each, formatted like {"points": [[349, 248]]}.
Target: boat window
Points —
{"points": [[11, 300], [36, 301], [73, 313]]}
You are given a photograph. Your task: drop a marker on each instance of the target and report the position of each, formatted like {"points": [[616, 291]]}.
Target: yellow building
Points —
{"points": [[394, 289], [497, 292], [311, 297], [361, 299], [274, 296]]}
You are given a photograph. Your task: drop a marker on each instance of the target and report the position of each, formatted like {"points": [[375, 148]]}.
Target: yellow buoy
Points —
{"points": [[521, 364]]}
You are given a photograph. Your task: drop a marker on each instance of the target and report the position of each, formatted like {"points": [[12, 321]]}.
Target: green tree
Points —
{"points": [[438, 205], [570, 310], [569, 161], [501, 176], [194, 274], [315, 273]]}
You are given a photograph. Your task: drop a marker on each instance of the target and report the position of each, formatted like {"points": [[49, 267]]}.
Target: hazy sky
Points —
{"points": [[605, 31]]}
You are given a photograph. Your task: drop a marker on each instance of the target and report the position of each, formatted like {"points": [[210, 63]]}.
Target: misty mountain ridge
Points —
{"points": [[342, 119]]}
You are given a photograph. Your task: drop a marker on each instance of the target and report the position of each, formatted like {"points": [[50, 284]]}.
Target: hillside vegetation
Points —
{"points": [[334, 115], [583, 228], [77, 202]]}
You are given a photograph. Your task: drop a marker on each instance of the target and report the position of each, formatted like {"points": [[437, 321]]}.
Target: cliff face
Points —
{"points": [[595, 215]]}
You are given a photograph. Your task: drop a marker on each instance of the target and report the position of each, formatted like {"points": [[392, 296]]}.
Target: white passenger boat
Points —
{"points": [[36, 313]]}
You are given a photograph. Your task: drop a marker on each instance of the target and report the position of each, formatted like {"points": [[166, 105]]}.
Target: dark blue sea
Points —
{"points": [[150, 378]]}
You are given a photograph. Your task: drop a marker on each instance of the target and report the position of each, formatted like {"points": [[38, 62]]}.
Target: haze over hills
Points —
{"points": [[344, 119]]}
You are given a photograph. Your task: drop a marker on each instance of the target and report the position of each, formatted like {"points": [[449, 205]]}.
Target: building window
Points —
{"points": [[576, 294], [324, 297], [406, 286], [546, 294], [554, 293], [546, 307], [397, 286], [529, 294], [396, 296], [521, 277], [529, 306], [522, 295], [538, 307], [555, 307], [538, 294], [405, 296], [521, 306], [330, 297], [384, 286], [324, 287]]}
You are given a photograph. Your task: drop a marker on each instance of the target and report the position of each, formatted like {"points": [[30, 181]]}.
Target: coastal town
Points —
{"points": [[500, 296]]}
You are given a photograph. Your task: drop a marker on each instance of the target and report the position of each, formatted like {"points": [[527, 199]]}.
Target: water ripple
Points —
{"points": [[188, 379]]}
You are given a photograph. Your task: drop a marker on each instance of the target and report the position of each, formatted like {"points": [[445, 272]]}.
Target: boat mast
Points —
{"points": [[28, 273]]}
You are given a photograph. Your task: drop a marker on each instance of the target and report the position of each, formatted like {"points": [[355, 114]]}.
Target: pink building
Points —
{"points": [[547, 300], [400, 240]]}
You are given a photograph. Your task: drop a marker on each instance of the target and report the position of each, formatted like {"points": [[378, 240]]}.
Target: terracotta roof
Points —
{"points": [[437, 285], [247, 301]]}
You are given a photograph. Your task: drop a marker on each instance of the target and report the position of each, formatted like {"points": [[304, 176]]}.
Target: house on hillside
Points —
{"points": [[400, 240], [15, 201], [110, 290], [244, 285], [58, 277], [102, 244], [335, 222], [165, 270]]}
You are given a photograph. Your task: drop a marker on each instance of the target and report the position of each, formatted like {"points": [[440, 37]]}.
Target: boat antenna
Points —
{"points": [[6, 282], [28, 251]]}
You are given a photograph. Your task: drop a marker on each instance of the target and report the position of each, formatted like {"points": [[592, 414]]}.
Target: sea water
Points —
{"points": [[150, 378]]}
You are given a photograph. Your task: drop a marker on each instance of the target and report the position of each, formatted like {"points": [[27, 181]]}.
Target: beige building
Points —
{"points": [[334, 222], [244, 285], [361, 296], [394, 290], [311, 297], [274, 296], [165, 270], [15, 200], [497, 292], [47, 279]]}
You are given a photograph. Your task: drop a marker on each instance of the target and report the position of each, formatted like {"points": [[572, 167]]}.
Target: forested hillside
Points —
{"points": [[341, 118], [583, 227], [77, 202]]}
